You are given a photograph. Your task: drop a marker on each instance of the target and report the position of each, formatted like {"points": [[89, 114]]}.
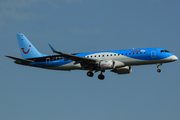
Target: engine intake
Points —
{"points": [[103, 65], [110, 64]]}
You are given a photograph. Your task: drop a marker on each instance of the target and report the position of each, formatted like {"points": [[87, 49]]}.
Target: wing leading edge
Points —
{"points": [[77, 59]]}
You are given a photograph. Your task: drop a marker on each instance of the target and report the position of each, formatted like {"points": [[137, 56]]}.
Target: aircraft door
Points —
{"points": [[153, 53], [47, 61]]}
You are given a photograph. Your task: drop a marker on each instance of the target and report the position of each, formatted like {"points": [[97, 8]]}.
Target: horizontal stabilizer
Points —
{"points": [[20, 60]]}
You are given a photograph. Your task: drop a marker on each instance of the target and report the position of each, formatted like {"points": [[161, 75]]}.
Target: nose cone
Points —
{"points": [[174, 58]]}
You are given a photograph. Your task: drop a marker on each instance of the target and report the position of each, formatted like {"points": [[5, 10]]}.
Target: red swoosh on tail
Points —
{"points": [[24, 51]]}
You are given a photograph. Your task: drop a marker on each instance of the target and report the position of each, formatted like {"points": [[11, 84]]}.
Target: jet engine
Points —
{"points": [[110, 64], [123, 70]]}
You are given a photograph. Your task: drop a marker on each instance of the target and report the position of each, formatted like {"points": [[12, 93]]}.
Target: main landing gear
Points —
{"points": [[90, 74], [100, 76], [158, 66]]}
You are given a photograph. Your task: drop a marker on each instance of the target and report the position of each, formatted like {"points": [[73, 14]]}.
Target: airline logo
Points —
{"points": [[143, 50], [138, 51], [24, 51], [135, 51]]}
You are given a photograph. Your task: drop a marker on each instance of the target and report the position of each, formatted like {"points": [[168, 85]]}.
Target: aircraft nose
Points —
{"points": [[174, 58]]}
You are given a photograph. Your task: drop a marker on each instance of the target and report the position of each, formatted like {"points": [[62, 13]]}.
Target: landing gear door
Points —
{"points": [[153, 54], [47, 61]]}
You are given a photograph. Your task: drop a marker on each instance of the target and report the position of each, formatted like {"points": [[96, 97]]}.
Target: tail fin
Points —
{"points": [[27, 49]]}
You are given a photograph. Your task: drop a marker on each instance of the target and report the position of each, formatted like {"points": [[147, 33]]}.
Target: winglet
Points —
{"points": [[52, 49]]}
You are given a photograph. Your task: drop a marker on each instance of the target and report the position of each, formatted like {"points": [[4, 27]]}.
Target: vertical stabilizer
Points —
{"points": [[26, 48]]}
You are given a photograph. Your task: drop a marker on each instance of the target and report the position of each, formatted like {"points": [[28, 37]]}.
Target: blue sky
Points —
{"points": [[70, 26]]}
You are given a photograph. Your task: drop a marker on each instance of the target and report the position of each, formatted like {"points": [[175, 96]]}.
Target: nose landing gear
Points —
{"points": [[158, 66], [158, 70]]}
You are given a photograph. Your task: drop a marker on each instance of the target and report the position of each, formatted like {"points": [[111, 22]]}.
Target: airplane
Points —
{"points": [[119, 61]]}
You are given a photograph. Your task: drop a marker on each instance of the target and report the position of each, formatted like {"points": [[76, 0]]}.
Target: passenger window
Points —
{"points": [[129, 53], [122, 53], [140, 52], [137, 53], [114, 54], [125, 53], [144, 52]]}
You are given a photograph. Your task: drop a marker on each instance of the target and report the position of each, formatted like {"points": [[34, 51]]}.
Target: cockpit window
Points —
{"points": [[166, 50], [162, 51]]}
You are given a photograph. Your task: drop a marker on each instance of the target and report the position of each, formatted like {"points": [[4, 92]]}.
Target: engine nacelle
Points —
{"points": [[118, 64], [110, 64], [123, 70]]}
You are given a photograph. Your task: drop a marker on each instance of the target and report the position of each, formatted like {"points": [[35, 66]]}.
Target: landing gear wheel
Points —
{"points": [[158, 70], [158, 66], [101, 77], [90, 74]]}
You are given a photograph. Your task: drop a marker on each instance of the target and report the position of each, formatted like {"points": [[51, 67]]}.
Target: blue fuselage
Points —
{"points": [[127, 57]]}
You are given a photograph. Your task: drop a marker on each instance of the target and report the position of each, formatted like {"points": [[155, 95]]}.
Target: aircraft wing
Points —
{"points": [[78, 59], [19, 59]]}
